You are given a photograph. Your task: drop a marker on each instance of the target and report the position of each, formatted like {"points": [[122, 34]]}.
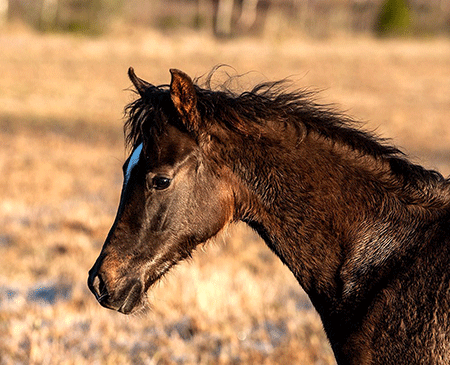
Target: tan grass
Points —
{"points": [[61, 153]]}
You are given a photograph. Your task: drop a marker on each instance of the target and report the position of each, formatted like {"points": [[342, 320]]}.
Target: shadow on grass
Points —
{"points": [[79, 130]]}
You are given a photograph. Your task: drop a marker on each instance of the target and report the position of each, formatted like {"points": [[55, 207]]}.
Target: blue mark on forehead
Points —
{"points": [[134, 159]]}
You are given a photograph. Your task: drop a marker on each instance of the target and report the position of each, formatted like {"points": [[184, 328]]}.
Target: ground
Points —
{"points": [[61, 152]]}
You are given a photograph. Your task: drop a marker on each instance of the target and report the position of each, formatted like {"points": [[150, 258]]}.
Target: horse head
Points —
{"points": [[172, 199]]}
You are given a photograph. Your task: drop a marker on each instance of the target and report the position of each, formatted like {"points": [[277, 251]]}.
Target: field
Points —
{"points": [[61, 152]]}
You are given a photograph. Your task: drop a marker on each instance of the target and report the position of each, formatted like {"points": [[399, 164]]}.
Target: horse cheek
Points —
{"points": [[217, 213]]}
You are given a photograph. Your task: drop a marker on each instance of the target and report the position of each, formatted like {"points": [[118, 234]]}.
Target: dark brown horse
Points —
{"points": [[365, 232]]}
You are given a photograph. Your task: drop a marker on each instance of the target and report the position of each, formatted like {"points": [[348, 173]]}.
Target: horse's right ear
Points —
{"points": [[138, 83], [184, 98]]}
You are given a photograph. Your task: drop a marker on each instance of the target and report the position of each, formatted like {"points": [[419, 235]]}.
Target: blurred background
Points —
{"points": [[63, 87], [226, 18]]}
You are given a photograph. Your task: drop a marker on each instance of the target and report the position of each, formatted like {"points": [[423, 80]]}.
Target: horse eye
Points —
{"points": [[161, 183]]}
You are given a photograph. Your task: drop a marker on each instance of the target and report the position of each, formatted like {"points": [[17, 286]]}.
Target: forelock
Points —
{"points": [[147, 115]]}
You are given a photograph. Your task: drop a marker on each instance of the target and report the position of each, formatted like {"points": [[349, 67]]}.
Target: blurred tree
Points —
{"points": [[49, 14], [232, 17], [83, 16], [394, 18], [248, 14], [3, 11], [223, 16]]}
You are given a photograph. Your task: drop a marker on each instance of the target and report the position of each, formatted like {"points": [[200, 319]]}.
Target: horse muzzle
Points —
{"points": [[125, 298]]}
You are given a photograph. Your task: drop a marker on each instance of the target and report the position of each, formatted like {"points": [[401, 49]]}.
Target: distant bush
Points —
{"points": [[394, 18], [79, 16]]}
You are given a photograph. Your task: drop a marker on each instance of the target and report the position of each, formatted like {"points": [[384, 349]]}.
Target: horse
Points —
{"points": [[365, 232]]}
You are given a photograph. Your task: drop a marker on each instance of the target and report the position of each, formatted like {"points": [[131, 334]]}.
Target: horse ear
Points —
{"points": [[184, 98], [138, 83]]}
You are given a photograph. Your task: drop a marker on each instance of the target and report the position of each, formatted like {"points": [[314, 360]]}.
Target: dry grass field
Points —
{"points": [[61, 152]]}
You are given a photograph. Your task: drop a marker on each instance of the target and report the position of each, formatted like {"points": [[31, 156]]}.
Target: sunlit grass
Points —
{"points": [[61, 146]]}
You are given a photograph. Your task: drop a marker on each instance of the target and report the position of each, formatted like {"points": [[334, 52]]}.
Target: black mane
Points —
{"points": [[147, 115], [249, 112]]}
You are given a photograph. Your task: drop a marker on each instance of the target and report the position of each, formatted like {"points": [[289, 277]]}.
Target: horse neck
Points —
{"points": [[323, 209]]}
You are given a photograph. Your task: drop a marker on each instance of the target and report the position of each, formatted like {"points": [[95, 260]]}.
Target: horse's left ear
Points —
{"points": [[184, 98], [140, 85]]}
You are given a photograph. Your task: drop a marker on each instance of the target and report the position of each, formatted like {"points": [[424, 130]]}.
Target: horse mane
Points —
{"points": [[147, 115], [248, 113]]}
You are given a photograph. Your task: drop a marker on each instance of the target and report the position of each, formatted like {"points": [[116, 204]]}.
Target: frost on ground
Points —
{"points": [[61, 153]]}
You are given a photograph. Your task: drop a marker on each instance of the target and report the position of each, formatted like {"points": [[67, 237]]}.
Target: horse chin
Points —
{"points": [[133, 300], [129, 300]]}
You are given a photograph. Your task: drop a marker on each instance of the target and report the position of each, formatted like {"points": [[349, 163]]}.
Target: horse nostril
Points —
{"points": [[98, 287]]}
